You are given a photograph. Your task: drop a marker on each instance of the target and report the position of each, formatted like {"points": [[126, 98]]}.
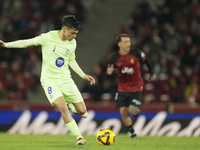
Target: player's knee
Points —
{"points": [[134, 111], [62, 108], [124, 112], [60, 103], [82, 111]]}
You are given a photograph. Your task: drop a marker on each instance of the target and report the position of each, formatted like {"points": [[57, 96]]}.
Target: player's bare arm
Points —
{"points": [[90, 79], [110, 70], [2, 44]]}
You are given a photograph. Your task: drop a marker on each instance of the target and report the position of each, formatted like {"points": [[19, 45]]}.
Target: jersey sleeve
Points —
{"points": [[20, 44], [141, 55], [74, 65], [111, 60], [72, 55], [143, 58], [40, 40]]}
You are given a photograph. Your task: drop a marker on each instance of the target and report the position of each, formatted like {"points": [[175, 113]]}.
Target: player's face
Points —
{"points": [[69, 34], [125, 44]]}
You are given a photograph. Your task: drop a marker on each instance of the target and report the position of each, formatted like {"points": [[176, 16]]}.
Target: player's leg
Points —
{"points": [[135, 103], [79, 108], [68, 120], [74, 99], [55, 97], [125, 118], [122, 102], [60, 103], [134, 111], [127, 121]]}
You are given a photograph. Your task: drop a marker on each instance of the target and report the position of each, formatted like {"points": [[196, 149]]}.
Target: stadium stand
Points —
{"points": [[168, 32], [22, 19]]}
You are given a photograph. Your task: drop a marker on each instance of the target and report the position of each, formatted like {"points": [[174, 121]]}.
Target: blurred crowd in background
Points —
{"points": [[21, 19], [168, 31]]}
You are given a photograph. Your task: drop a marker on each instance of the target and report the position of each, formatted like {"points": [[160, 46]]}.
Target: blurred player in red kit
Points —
{"points": [[128, 61]]}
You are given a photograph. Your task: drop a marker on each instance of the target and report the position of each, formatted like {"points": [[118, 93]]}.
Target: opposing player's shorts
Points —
{"points": [[68, 90], [124, 99]]}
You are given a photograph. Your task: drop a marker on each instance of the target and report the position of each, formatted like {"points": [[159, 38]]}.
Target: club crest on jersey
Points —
{"points": [[67, 52], [59, 62], [131, 60]]}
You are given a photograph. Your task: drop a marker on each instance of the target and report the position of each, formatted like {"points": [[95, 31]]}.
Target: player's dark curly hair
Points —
{"points": [[71, 22], [119, 37]]}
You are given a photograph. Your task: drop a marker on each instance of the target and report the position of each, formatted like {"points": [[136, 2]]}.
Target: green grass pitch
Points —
{"points": [[123, 142]]}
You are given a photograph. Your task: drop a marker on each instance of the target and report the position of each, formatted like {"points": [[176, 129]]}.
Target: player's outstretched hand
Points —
{"points": [[110, 70], [152, 78], [89, 78], [2, 44]]}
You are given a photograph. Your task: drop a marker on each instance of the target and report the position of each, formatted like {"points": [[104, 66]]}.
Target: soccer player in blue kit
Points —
{"points": [[58, 53]]}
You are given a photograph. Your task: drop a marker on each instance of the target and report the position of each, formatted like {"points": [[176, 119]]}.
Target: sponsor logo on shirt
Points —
{"points": [[127, 70], [59, 62], [67, 52]]}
